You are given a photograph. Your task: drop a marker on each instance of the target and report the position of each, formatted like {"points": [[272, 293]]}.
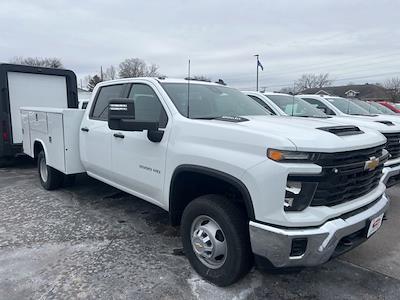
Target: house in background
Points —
{"points": [[366, 91]]}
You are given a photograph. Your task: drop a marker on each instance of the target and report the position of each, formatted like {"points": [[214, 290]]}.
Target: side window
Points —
{"points": [[318, 104], [262, 103], [148, 107], [104, 95]]}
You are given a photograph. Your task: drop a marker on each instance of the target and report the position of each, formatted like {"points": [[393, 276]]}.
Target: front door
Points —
{"points": [[138, 163]]}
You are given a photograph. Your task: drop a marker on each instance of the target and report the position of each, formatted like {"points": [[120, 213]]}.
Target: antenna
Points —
{"points": [[293, 99], [188, 90]]}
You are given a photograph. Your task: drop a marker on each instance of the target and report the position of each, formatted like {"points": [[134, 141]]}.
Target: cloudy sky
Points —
{"points": [[354, 40]]}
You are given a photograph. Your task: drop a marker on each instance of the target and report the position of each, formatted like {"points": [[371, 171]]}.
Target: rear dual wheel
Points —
{"points": [[50, 178]]}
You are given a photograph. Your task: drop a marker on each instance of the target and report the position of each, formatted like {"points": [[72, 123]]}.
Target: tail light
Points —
{"points": [[4, 133]]}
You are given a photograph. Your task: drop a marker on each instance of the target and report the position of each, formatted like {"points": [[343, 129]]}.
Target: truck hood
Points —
{"points": [[382, 123], [308, 134]]}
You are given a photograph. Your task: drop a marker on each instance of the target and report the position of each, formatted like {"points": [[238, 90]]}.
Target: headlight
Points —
{"points": [[290, 156], [298, 195]]}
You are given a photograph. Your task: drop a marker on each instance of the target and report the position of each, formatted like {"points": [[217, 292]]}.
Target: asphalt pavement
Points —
{"points": [[91, 241]]}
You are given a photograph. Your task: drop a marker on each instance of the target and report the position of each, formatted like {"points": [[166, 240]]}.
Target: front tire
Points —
{"points": [[215, 239], [50, 178]]}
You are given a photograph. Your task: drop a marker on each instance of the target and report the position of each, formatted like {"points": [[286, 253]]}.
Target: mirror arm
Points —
{"points": [[155, 135]]}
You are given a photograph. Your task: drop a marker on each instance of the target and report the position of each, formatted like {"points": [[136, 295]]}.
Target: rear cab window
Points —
{"points": [[99, 110]]}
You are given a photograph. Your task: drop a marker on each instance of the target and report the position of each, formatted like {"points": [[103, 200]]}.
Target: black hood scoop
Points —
{"points": [[388, 123], [342, 130]]}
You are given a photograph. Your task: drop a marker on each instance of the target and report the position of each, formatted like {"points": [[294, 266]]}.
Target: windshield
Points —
{"points": [[368, 107], [347, 107], [383, 109], [211, 101], [294, 106]]}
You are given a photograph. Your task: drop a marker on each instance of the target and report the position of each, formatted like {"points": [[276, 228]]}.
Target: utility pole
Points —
{"points": [[257, 55], [101, 73]]}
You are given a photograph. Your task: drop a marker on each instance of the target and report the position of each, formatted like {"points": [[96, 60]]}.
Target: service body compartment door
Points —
{"points": [[26, 133], [55, 142], [38, 121]]}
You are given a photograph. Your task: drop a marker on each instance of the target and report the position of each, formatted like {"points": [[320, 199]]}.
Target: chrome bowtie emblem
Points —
{"points": [[371, 164]]}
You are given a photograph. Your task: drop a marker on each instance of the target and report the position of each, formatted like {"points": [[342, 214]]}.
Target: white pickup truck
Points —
{"points": [[287, 105], [243, 185]]}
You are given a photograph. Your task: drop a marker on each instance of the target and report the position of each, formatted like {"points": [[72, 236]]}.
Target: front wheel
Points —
{"points": [[215, 238], [50, 178]]}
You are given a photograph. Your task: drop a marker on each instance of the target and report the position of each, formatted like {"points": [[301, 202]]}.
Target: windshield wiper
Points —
{"points": [[234, 119], [311, 116], [206, 118], [367, 115]]}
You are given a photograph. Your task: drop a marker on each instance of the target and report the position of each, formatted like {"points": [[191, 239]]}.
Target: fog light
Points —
{"points": [[299, 247]]}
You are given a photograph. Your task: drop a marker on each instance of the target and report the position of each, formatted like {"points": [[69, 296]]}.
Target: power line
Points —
{"points": [[364, 60]]}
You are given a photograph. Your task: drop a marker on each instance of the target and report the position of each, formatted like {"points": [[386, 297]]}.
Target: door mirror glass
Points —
{"points": [[121, 116]]}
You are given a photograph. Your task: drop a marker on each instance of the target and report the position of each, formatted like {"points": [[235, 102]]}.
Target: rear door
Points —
{"points": [[95, 136], [138, 163]]}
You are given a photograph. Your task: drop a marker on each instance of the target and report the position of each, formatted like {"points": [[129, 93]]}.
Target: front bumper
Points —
{"points": [[391, 172], [275, 244]]}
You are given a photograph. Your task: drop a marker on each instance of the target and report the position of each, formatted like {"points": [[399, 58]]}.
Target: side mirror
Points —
{"points": [[121, 116]]}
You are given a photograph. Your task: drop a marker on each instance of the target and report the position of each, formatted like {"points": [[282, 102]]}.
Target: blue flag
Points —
{"points": [[260, 65]]}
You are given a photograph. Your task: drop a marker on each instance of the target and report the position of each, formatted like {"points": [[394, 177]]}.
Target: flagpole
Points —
{"points": [[257, 55]]}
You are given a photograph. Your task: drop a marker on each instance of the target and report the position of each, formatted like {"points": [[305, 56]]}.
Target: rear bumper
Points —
{"points": [[324, 242], [391, 172]]}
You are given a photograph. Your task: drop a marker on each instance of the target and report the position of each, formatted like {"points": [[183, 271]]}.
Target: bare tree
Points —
{"points": [[307, 81], [152, 70], [110, 73], [93, 81], [392, 86], [136, 67], [49, 62]]}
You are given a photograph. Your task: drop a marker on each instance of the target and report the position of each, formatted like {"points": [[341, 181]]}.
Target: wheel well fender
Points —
{"points": [[38, 146], [208, 181]]}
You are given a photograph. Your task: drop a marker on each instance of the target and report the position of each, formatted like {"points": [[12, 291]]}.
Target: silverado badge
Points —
{"points": [[371, 164]]}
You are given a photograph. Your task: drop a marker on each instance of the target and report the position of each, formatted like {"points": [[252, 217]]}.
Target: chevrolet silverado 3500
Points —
{"points": [[244, 186]]}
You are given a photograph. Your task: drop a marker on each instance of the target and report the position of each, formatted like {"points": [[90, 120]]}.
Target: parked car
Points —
{"points": [[391, 106], [29, 86], [283, 104], [383, 109], [242, 184]]}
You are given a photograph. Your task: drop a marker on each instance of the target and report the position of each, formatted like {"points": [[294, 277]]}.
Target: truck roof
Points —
{"points": [[156, 79]]}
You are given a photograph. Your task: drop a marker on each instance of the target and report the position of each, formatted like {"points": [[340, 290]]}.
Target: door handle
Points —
{"points": [[119, 135], [85, 129]]}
